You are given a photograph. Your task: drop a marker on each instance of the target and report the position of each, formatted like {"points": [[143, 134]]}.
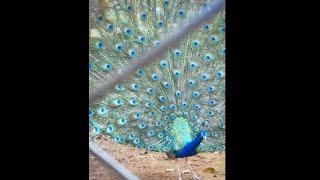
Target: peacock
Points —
{"points": [[175, 105]]}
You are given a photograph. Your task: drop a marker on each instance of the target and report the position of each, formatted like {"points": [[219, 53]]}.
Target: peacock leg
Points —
{"points": [[178, 169], [193, 174]]}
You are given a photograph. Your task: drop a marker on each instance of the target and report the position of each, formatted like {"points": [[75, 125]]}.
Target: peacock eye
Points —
{"points": [[204, 77], [173, 116], [177, 53], [213, 38], [208, 57], [150, 91], [181, 13], [197, 107], [100, 45], [176, 73], [220, 74], [166, 2], [191, 83], [173, 107], [151, 114], [100, 18], [110, 27], [196, 43], [162, 98], [128, 32], [154, 77], [210, 113], [135, 87], [211, 89], [194, 117], [119, 47], [107, 67], [132, 53], [129, 9], [143, 16], [166, 85], [140, 72], [163, 64], [141, 39], [163, 108], [160, 24], [178, 93], [212, 102], [207, 27], [184, 105], [196, 94], [90, 113]]}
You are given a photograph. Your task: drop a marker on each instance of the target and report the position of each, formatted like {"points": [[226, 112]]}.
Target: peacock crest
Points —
{"points": [[171, 100]]}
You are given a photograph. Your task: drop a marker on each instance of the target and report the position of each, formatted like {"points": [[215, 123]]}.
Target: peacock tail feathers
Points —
{"points": [[164, 105]]}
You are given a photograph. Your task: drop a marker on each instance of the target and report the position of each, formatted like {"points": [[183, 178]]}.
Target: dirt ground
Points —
{"points": [[155, 166]]}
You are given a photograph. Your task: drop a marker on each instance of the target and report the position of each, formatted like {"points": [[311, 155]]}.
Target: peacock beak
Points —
{"points": [[205, 137]]}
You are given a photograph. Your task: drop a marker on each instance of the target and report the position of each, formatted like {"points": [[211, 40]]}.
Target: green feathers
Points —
{"points": [[182, 132]]}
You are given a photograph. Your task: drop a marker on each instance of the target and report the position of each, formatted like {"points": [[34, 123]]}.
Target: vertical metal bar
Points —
{"points": [[111, 162]]}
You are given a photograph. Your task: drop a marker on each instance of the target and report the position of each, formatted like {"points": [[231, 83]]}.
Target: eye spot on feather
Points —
{"points": [[197, 107], [130, 9], [184, 105], [210, 113], [178, 94], [100, 45], [150, 91], [181, 13], [162, 99], [164, 64], [212, 102], [196, 95], [211, 89], [135, 87], [122, 121], [204, 77], [163, 108], [196, 43], [132, 53], [160, 24], [220, 74], [120, 87], [151, 113], [110, 27], [102, 110], [166, 118], [91, 113], [155, 77], [100, 18], [166, 85], [177, 53], [107, 67], [207, 27], [176, 73], [119, 47], [144, 16], [191, 83], [136, 141], [166, 3], [208, 57], [110, 129], [128, 32]]}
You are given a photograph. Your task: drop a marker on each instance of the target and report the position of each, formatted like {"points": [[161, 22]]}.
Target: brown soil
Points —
{"points": [[155, 166]]}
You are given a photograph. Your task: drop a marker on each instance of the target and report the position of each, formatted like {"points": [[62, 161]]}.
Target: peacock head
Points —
{"points": [[203, 134]]}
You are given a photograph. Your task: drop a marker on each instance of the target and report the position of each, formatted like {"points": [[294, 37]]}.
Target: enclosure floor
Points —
{"points": [[153, 165]]}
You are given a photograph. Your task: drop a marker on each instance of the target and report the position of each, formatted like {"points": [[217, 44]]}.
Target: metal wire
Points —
{"points": [[171, 41], [111, 162]]}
